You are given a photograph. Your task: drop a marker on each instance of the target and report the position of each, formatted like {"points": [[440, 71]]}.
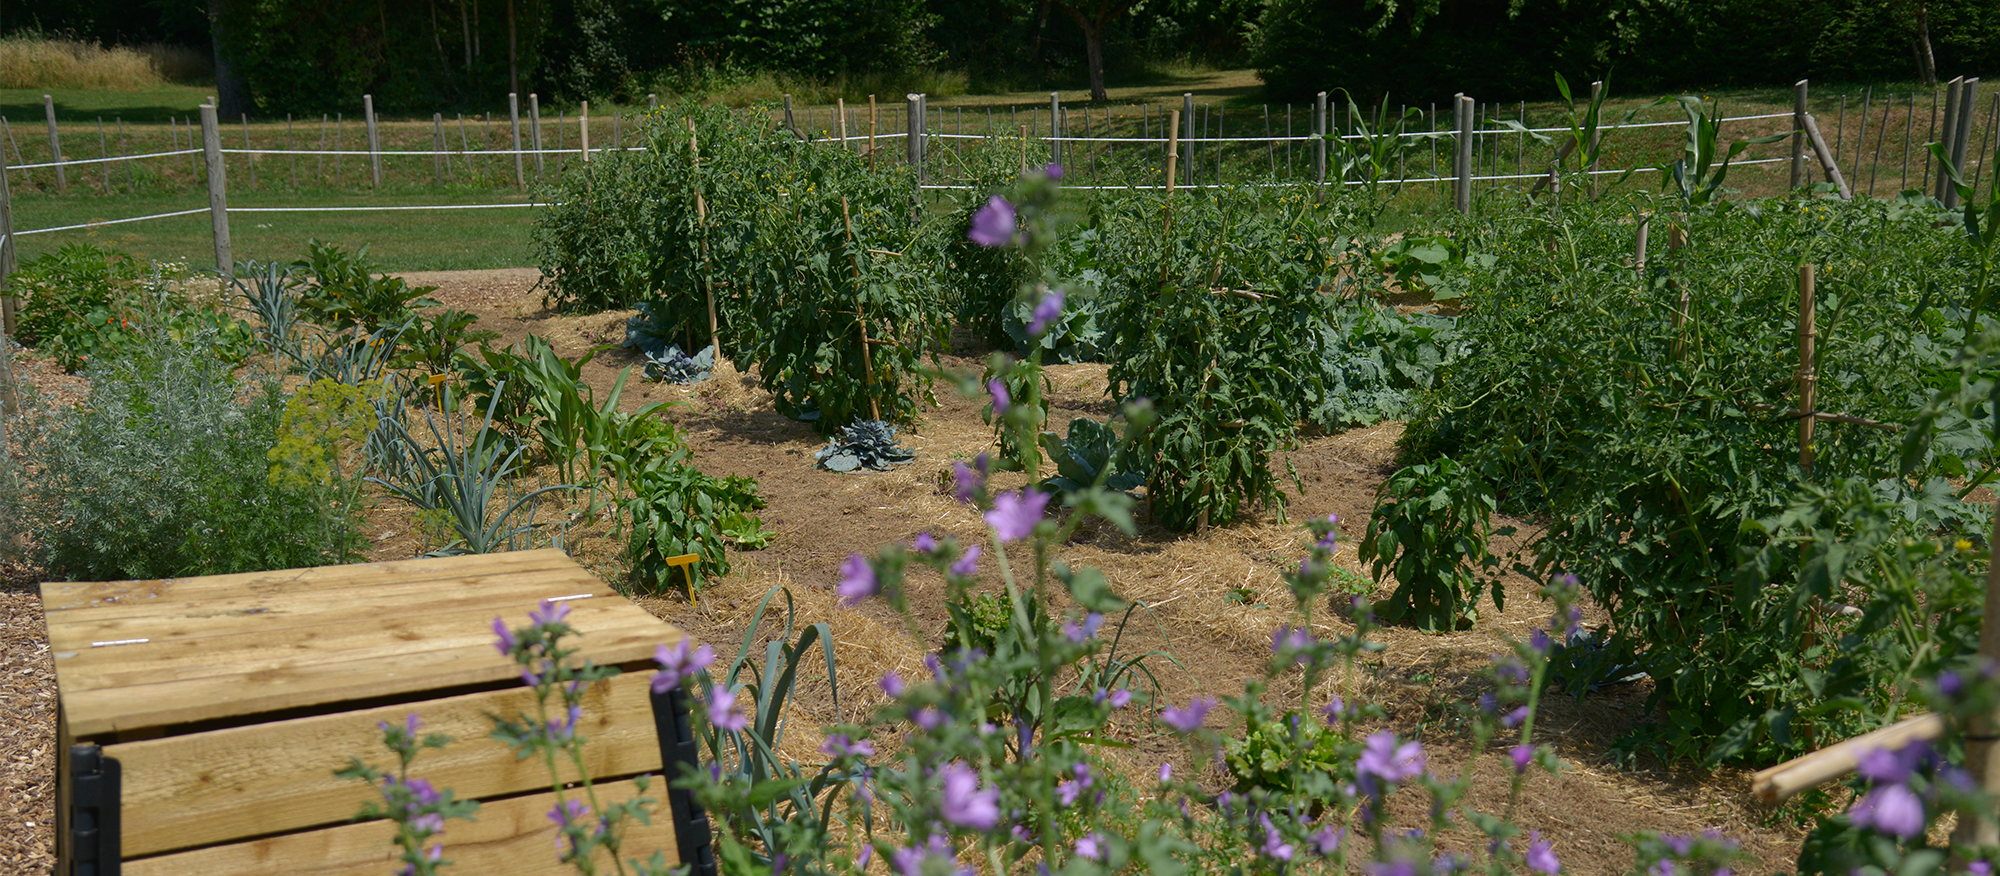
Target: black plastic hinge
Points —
{"points": [[677, 747], [93, 812]]}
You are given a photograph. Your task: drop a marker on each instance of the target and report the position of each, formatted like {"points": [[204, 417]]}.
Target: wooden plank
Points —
{"points": [[510, 838], [205, 788], [355, 645], [86, 595], [250, 614], [97, 712]]}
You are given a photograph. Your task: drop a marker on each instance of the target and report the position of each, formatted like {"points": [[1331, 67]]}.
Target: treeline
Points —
{"points": [[317, 55], [1505, 49]]}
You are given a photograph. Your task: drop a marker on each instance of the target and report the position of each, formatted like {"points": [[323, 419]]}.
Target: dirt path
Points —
{"points": [[1215, 598]]}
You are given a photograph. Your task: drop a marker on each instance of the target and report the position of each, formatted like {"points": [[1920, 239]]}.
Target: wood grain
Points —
{"points": [[510, 838], [202, 788]]}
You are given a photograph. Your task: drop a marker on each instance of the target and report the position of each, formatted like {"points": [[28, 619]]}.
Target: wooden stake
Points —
{"points": [[583, 130], [1808, 376], [437, 147], [535, 130], [1799, 94], [1173, 148], [1826, 159], [514, 122], [1780, 782], [871, 132], [218, 188], [1024, 150], [867, 359], [1982, 761], [840, 107], [701, 220], [374, 139]]}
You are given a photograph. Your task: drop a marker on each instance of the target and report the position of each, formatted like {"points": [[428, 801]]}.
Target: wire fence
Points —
{"points": [[1473, 146]]}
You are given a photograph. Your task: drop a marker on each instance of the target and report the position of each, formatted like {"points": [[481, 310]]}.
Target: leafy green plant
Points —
{"points": [[78, 302], [270, 293], [431, 342], [163, 472], [676, 510], [869, 444], [1429, 530], [1211, 323], [344, 290], [1379, 363], [1093, 455]]}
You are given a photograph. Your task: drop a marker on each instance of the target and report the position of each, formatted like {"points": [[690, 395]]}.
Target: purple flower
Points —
{"points": [[1541, 857], [1330, 539], [564, 729], [1539, 640], [1053, 171], [1166, 773], [910, 861], [857, 580], [993, 223], [1327, 840], [505, 642], [1522, 755], [967, 564], [1189, 719], [679, 662], [1514, 718], [1090, 845], [1383, 758], [1275, 846], [1334, 710], [1891, 809], [1047, 311], [1079, 633], [965, 803], [1001, 400], [1885, 767], [1119, 698], [1979, 868], [892, 684], [924, 543], [838, 745], [1951, 685], [929, 718], [722, 711], [965, 482], [1488, 704], [1295, 640], [1014, 514], [569, 812], [549, 613]]}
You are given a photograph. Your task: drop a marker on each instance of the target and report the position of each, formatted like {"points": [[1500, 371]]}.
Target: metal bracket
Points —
{"points": [[677, 746], [93, 812]]}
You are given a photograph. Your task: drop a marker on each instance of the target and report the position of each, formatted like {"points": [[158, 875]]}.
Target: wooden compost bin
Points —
{"points": [[201, 720]]}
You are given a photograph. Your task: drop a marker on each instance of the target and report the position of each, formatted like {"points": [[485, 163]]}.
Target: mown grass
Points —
{"points": [[415, 240]]}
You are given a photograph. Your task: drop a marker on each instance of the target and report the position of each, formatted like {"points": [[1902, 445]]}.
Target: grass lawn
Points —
{"points": [[412, 240]]}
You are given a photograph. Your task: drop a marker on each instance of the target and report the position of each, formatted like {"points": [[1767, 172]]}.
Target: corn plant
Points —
{"points": [[1695, 176]]}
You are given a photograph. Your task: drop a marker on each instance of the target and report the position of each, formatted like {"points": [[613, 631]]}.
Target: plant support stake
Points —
{"points": [[374, 139], [860, 313], [1808, 366], [514, 122]]}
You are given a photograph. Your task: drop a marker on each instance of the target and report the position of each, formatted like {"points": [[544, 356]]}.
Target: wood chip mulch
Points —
{"points": [[27, 745]]}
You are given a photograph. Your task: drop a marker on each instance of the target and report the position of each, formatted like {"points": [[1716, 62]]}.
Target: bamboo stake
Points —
{"points": [[701, 221], [867, 359], [1808, 366], [1780, 782], [840, 106]]}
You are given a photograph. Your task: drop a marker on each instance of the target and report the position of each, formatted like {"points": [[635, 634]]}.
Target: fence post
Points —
{"points": [[583, 130], [6, 266], [218, 188], [374, 139], [55, 143], [1461, 190], [789, 126], [652, 101], [1961, 136], [1319, 144], [1055, 127], [1799, 95], [437, 148], [535, 129], [514, 119]]}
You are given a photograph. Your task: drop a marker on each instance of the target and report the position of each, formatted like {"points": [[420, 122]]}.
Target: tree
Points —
{"points": [[1092, 22]]}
